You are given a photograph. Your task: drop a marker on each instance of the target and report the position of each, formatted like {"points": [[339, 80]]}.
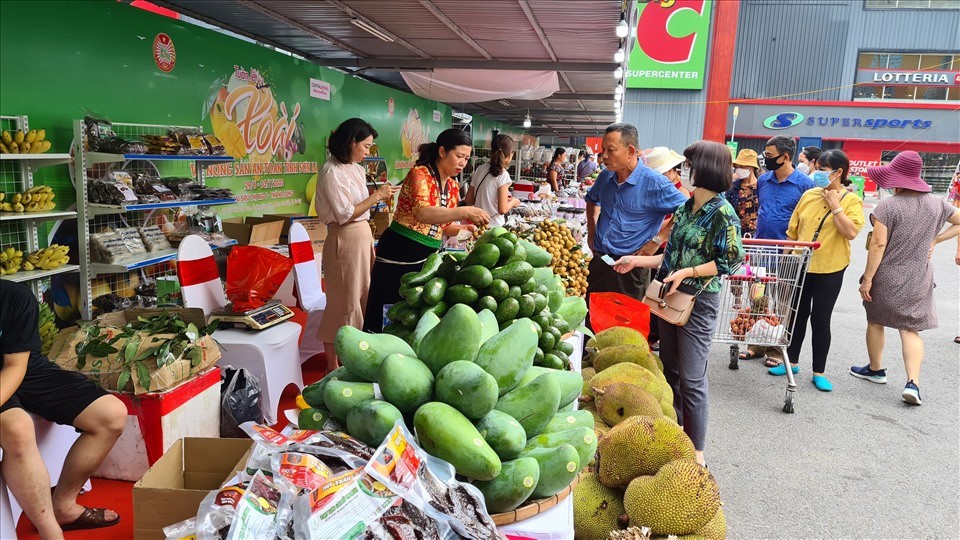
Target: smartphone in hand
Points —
{"points": [[608, 259]]}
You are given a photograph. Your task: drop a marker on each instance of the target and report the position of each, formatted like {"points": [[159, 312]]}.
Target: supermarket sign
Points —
{"points": [[671, 47]]}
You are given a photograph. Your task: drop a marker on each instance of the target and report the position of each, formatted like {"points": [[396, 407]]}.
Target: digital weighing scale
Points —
{"points": [[270, 314]]}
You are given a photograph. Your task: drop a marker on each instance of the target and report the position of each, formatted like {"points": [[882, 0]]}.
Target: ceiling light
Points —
{"points": [[622, 28], [505, 103], [619, 55], [526, 121], [619, 89], [618, 73], [370, 29]]}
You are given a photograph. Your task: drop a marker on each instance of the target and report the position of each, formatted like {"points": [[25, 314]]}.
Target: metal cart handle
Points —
{"points": [[779, 243]]}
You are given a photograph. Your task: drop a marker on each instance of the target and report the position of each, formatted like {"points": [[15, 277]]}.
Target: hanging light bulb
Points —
{"points": [[618, 73], [526, 122], [619, 55], [618, 90], [622, 28]]}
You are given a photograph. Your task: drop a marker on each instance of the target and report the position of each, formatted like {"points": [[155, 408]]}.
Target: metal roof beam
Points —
{"points": [[439, 14], [349, 11], [537, 28], [300, 26], [548, 112], [416, 63]]}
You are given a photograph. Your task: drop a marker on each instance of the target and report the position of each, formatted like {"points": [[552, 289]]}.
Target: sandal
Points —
{"points": [[956, 339], [91, 518], [749, 355], [772, 362]]}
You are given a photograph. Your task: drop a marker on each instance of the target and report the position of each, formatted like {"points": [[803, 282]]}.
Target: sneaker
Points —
{"points": [[911, 394], [864, 372]]}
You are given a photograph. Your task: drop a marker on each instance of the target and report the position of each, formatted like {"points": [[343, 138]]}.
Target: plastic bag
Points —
{"points": [[254, 274], [609, 309], [239, 402]]}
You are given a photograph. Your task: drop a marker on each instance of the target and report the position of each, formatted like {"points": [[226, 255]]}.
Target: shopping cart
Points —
{"points": [[758, 304]]}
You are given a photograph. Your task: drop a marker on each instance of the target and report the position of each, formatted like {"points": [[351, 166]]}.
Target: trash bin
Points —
{"points": [[857, 182]]}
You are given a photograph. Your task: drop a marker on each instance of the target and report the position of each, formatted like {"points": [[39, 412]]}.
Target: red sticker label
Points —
{"points": [[164, 53]]}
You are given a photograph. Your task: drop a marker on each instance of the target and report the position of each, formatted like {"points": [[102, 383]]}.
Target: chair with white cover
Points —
{"points": [[309, 288], [272, 355]]}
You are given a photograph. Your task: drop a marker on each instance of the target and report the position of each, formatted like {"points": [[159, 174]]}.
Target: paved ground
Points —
{"points": [[854, 463]]}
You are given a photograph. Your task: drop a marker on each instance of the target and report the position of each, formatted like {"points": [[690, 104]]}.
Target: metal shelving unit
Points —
{"points": [[20, 230], [95, 217]]}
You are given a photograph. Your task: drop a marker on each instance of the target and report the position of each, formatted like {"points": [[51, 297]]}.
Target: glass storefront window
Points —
{"points": [[910, 63], [912, 4]]}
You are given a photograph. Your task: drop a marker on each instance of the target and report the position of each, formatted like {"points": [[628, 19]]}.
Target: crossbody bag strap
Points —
{"points": [[816, 234]]}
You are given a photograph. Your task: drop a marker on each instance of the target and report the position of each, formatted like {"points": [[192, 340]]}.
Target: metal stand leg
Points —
{"points": [[734, 357], [791, 384]]}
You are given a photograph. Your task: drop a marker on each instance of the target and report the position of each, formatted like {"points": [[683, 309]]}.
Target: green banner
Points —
{"points": [[670, 51], [273, 112]]}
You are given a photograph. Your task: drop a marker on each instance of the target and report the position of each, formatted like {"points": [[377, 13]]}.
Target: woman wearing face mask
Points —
{"points": [[426, 212], [743, 194], [830, 215], [807, 160]]}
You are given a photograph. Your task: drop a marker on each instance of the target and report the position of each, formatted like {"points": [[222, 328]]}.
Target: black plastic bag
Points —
{"points": [[239, 402]]}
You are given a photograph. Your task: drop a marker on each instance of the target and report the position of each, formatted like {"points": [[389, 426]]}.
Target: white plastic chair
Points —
{"points": [[272, 355], [311, 297]]}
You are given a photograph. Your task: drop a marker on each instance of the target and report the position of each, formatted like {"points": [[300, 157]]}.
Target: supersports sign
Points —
{"points": [[787, 120]]}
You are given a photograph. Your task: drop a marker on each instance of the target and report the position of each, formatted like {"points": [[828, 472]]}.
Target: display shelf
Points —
{"points": [[31, 275], [95, 158], [98, 268], [372, 158], [97, 209], [38, 160], [37, 216]]}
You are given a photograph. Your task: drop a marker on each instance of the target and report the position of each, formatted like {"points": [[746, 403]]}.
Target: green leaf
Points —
{"points": [[131, 348], [143, 319], [192, 332], [143, 375], [210, 328], [195, 355], [146, 353], [163, 354], [123, 379], [93, 330], [81, 361], [180, 324], [586, 331]]}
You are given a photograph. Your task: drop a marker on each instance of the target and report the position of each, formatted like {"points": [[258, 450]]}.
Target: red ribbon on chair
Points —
{"points": [[301, 252], [197, 271]]}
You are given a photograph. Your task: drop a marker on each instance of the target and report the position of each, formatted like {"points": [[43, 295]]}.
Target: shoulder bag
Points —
{"points": [[674, 309]]}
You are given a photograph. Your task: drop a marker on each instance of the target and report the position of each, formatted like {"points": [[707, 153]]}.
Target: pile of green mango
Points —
{"points": [[507, 276], [472, 395]]}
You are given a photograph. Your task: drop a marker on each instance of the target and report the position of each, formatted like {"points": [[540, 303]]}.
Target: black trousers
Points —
{"points": [[603, 278], [817, 299]]}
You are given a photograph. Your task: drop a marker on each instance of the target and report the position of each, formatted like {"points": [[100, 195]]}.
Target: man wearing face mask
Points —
{"points": [[779, 190], [625, 209]]}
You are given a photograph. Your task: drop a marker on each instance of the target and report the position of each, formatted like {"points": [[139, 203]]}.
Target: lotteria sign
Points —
{"points": [[847, 122], [670, 50], [907, 78]]}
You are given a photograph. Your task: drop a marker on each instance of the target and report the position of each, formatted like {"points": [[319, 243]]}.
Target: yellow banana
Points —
{"points": [[14, 147], [41, 134], [5, 137], [3, 195], [17, 207], [31, 136], [49, 206], [3, 148], [35, 147], [27, 266], [45, 145], [26, 197], [6, 207], [18, 137], [17, 197]]}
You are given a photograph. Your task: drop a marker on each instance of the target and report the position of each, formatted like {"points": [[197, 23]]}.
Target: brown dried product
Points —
{"points": [[469, 511]]}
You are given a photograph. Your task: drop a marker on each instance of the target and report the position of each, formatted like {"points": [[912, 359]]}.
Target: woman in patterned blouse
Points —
{"points": [[555, 169], [427, 210], [743, 194], [704, 243]]}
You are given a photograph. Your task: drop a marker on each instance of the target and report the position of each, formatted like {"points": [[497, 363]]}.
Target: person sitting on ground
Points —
{"points": [[32, 384]]}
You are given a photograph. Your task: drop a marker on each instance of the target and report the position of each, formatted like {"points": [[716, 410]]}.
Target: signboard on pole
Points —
{"points": [[670, 51]]}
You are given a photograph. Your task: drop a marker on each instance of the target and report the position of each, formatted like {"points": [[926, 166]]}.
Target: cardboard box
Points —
{"points": [[172, 489], [382, 221], [316, 229], [253, 231]]}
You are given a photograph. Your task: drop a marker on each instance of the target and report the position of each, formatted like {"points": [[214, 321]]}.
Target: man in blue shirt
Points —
{"points": [[625, 209], [778, 192]]}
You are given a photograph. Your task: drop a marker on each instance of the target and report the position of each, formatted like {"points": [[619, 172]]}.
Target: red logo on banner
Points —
{"points": [[654, 39], [164, 53]]}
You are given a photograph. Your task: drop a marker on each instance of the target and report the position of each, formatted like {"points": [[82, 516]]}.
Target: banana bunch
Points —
{"points": [[19, 142], [47, 258], [48, 328], [11, 261], [35, 199]]}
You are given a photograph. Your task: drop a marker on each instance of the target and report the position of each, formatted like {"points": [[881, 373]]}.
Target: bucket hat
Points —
{"points": [[662, 159], [747, 158], [902, 172]]}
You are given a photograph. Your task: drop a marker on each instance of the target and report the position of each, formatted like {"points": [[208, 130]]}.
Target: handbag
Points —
{"points": [[674, 309]]}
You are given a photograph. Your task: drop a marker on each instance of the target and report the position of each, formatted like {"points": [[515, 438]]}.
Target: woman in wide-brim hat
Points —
{"points": [[897, 285]]}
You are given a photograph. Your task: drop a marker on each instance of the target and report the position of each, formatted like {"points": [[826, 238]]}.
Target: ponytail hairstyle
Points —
{"points": [[448, 139], [836, 159], [501, 150], [557, 153]]}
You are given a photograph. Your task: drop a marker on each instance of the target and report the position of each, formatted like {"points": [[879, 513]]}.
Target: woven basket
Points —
{"points": [[534, 507]]}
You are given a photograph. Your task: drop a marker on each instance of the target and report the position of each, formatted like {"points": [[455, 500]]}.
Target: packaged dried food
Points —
{"points": [[111, 192], [181, 186], [191, 142], [161, 144], [97, 130], [154, 239], [108, 303], [132, 241], [148, 186], [259, 508], [109, 247], [218, 509], [214, 146]]}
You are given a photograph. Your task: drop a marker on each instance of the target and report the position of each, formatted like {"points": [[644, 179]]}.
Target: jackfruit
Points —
{"points": [[616, 354], [631, 374], [715, 529], [656, 358], [587, 373], [596, 509], [680, 499], [620, 401], [666, 406], [640, 446], [617, 335]]}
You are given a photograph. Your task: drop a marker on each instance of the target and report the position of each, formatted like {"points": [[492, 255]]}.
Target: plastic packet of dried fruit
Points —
{"points": [[254, 275], [263, 504], [302, 471]]}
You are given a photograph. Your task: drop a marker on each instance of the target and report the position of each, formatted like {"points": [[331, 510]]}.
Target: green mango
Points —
{"points": [[503, 433], [581, 438], [533, 405], [361, 353], [499, 290], [570, 383], [573, 311], [558, 467], [455, 337], [405, 382], [427, 321], [555, 300], [315, 419], [536, 255], [444, 432], [506, 249], [553, 362], [531, 374], [488, 325], [508, 354], [466, 387], [517, 480], [486, 255], [562, 421], [488, 236], [371, 421], [427, 272], [477, 276], [313, 394], [514, 273], [433, 291], [341, 397], [519, 255], [507, 310]]}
